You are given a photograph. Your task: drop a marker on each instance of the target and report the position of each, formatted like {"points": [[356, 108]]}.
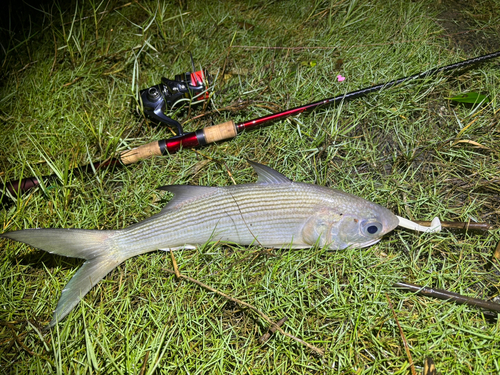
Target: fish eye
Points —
{"points": [[371, 228]]}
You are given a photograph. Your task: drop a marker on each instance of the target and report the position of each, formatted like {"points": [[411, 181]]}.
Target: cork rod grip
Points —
{"points": [[219, 132], [140, 153]]}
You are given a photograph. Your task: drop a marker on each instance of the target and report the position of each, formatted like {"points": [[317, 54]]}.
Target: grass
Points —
{"points": [[69, 82]]}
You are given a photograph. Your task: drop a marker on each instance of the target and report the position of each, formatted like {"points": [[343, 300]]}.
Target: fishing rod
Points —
{"points": [[154, 100], [229, 129]]}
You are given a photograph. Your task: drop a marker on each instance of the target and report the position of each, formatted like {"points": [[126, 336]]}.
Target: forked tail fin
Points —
{"points": [[97, 247]]}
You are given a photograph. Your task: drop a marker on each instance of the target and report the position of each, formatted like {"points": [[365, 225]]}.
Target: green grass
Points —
{"points": [[69, 82]]}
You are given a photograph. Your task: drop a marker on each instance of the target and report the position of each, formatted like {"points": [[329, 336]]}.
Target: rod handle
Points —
{"points": [[140, 153], [220, 132], [211, 134]]}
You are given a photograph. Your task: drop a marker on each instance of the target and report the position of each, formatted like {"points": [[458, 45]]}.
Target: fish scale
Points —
{"points": [[259, 214], [274, 212]]}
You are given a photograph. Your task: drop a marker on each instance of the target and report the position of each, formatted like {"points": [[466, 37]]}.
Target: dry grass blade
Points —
{"points": [[174, 264], [496, 253], [403, 338], [143, 368], [429, 367]]}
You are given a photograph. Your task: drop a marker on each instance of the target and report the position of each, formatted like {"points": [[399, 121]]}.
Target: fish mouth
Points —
{"points": [[391, 223]]}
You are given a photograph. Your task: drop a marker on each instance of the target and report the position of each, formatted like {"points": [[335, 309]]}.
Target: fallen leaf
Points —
{"points": [[470, 98]]}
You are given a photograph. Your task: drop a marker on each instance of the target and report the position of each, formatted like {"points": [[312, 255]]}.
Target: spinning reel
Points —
{"points": [[156, 100]]}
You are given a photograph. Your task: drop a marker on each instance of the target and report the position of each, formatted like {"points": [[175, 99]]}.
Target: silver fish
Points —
{"points": [[274, 212]]}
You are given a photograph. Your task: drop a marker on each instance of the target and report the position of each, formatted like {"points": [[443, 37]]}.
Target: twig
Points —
{"points": [[70, 83], [405, 343], [27, 66], [460, 225], [447, 295], [271, 330], [254, 309]]}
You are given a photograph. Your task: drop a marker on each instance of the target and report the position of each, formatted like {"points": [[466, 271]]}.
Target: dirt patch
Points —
{"points": [[467, 24]]}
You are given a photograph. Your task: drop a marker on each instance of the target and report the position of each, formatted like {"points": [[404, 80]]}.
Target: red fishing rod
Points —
{"points": [[229, 129], [154, 100]]}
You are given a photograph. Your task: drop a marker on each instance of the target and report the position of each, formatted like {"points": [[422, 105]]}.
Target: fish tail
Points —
{"points": [[98, 248]]}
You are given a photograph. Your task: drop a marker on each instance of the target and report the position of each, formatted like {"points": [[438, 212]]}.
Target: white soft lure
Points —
{"points": [[408, 224]]}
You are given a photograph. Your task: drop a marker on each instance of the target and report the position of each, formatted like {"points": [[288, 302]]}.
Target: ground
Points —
{"points": [[69, 84]]}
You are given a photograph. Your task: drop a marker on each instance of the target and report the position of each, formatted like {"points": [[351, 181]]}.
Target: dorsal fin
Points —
{"points": [[268, 175], [183, 193]]}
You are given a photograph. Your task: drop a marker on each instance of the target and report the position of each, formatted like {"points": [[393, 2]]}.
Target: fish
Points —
{"points": [[274, 212]]}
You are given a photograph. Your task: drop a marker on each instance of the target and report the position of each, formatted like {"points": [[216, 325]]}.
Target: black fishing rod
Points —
{"points": [[154, 98]]}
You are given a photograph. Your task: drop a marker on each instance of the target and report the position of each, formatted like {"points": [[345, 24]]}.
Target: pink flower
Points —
{"points": [[340, 78]]}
